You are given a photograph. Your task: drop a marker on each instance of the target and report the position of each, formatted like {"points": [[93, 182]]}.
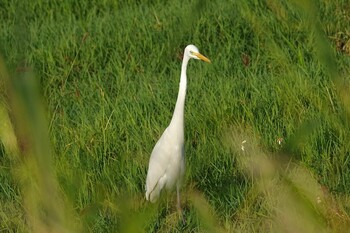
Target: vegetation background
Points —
{"points": [[87, 88]]}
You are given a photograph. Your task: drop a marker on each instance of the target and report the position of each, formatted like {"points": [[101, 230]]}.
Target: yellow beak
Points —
{"points": [[203, 58]]}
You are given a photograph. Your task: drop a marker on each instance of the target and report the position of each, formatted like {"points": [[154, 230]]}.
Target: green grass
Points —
{"points": [[87, 88]]}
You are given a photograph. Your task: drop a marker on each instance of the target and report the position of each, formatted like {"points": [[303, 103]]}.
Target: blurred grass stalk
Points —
{"points": [[25, 138], [291, 198]]}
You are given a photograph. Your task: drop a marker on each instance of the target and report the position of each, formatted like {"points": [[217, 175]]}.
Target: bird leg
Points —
{"points": [[179, 204]]}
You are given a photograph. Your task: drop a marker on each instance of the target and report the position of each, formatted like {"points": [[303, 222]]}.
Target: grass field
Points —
{"points": [[87, 88]]}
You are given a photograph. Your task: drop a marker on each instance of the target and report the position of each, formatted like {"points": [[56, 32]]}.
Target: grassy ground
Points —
{"points": [[87, 87]]}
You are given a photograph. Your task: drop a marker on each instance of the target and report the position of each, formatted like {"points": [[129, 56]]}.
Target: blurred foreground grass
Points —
{"points": [[88, 87]]}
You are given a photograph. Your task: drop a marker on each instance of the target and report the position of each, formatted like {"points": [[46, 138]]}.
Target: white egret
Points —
{"points": [[167, 162]]}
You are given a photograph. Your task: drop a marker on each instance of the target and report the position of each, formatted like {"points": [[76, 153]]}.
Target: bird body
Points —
{"points": [[168, 151], [167, 162]]}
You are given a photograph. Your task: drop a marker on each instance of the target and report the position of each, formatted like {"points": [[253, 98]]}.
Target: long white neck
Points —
{"points": [[178, 117]]}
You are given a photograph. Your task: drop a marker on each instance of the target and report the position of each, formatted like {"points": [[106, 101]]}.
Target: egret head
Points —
{"points": [[192, 51]]}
